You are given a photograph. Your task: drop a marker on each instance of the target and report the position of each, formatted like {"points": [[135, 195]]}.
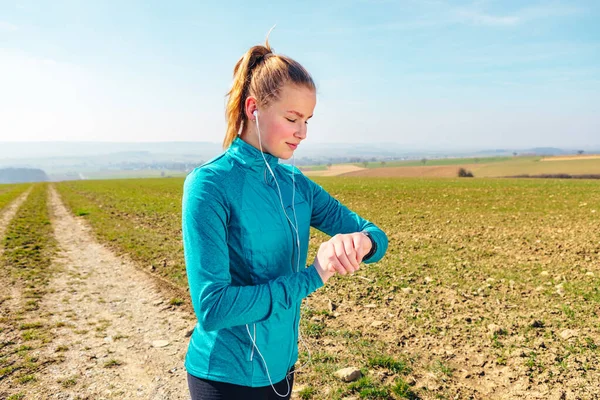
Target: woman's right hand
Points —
{"points": [[338, 254]]}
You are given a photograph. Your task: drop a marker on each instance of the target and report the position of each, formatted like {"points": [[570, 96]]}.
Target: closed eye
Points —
{"points": [[293, 120]]}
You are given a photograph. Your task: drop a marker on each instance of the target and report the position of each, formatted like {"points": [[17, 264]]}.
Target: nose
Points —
{"points": [[301, 134]]}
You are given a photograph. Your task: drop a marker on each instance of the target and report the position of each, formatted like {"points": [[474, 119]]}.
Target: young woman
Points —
{"points": [[246, 229]]}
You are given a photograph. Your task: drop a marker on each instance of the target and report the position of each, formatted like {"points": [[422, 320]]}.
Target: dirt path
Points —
{"points": [[572, 158], [108, 317], [335, 170]]}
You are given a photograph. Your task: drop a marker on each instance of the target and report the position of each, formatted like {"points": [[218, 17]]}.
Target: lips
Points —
{"points": [[293, 146]]}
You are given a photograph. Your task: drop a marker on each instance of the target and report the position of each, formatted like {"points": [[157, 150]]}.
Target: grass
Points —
{"points": [[68, 382], [8, 193], [484, 167], [112, 363], [389, 363], [26, 263], [176, 301], [533, 166], [127, 217], [436, 162], [482, 242]]}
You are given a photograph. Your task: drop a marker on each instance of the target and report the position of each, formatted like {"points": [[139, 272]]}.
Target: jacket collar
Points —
{"points": [[250, 156]]}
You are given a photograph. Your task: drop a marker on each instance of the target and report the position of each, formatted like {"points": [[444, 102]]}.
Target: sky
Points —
{"points": [[422, 73]]}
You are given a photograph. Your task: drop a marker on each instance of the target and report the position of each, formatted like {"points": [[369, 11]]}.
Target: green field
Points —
{"points": [[483, 283], [439, 161], [533, 166], [127, 174], [10, 192]]}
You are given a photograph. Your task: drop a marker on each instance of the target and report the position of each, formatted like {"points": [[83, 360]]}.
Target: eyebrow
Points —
{"points": [[298, 113]]}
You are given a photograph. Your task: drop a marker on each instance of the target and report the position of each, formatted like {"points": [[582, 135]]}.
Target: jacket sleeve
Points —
{"points": [[332, 217], [217, 303]]}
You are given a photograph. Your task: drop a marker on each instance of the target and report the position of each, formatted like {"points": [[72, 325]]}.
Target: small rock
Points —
{"points": [[331, 306], [569, 333], [157, 302], [518, 353], [377, 324], [160, 343], [407, 290], [428, 279], [495, 329], [544, 273], [589, 273], [537, 324], [371, 305], [349, 374], [479, 361]]}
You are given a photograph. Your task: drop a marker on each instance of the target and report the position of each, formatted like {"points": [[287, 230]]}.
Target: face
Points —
{"points": [[283, 123]]}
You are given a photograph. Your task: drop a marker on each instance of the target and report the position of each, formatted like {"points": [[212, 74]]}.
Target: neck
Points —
{"points": [[250, 136]]}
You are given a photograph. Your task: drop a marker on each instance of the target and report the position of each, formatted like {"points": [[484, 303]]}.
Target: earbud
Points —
{"points": [[254, 112]]}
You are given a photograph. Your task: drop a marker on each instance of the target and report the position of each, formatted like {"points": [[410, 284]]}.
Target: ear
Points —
{"points": [[250, 105]]}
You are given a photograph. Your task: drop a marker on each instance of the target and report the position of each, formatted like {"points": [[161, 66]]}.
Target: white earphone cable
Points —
{"points": [[295, 226]]}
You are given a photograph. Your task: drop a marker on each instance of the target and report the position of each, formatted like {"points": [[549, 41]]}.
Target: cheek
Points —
{"points": [[281, 130]]}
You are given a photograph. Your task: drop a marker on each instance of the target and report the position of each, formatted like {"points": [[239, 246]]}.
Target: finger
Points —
{"points": [[333, 264], [331, 267], [358, 240], [350, 251], [340, 252]]}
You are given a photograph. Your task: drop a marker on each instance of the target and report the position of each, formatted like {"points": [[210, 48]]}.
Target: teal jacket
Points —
{"points": [[240, 254]]}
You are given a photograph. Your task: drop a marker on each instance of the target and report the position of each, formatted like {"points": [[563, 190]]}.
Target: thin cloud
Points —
{"points": [[478, 18], [440, 14], [5, 26], [475, 16]]}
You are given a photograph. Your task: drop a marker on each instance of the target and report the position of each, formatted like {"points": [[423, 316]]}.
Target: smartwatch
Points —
{"points": [[373, 246]]}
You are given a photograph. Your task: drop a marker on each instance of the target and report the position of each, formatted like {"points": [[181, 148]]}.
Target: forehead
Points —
{"points": [[292, 96]]}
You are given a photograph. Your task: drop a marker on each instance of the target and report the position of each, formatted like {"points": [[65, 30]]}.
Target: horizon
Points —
{"points": [[416, 74]]}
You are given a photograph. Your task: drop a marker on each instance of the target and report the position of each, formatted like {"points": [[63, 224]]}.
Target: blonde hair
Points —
{"points": [[262, 74]]}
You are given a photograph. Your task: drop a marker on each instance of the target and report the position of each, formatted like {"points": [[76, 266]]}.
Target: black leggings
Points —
{"points": [[204, 389]]}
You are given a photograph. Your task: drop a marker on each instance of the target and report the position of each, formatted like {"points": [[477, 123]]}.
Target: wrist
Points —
{"points": [[373, 245], [323, 274]]}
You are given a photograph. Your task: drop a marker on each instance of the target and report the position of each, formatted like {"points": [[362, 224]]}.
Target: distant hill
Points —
{"points": [[22, 175], [92, 160]]}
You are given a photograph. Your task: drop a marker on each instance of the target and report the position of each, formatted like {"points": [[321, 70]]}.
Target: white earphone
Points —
{"points": [[295, 226]]}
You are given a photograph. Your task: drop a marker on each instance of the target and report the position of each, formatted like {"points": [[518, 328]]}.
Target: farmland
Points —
{"points": [[486, 167], [489, 287]]}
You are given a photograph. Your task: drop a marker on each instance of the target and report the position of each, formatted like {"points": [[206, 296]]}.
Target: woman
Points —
{"points": [[246, 225]]}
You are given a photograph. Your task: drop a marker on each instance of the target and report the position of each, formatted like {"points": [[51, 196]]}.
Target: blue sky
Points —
{"points": [[420, 74]]}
